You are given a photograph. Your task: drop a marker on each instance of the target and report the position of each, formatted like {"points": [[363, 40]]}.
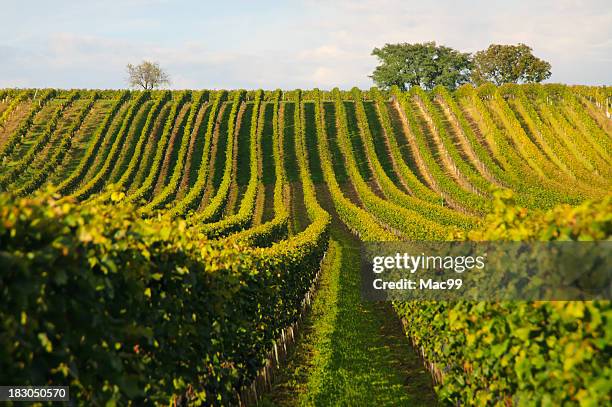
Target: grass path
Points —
{"points": [[350, 352]]}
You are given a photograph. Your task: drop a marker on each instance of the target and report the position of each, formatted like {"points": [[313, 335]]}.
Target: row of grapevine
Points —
{"points": [[476, 151], [15, 102], [565, 156], [542, 107], [407, 222], [596, 135], [523, 144], [361, 222], [529, 183], [463, 170], [194, 196], [263, 282], [17, 167], [275, 230], [73, 180], [410, 180], [167, 194], [468, 201], [172, 149], [241, 219], [429, 211], [40, 172], [17, 136], [145, 190], [94, 184], [214, 208], [126, 152], [145, 135], [194, 154], [519, 353]]}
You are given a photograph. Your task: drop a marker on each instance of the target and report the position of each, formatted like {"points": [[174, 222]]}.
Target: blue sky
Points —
{"points": [[283, 44]]}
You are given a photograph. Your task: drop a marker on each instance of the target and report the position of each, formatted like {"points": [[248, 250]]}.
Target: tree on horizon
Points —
{"points": [[425, 64], [501, 64], [147, 75]]}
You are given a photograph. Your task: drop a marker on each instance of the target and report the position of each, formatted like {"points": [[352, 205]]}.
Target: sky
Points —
{"points": [[283, 44]]}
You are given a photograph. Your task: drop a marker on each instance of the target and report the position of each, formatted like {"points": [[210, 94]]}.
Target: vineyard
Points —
{"points": [[160, 246]]}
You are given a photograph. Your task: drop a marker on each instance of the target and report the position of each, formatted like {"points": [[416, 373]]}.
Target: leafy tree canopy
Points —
{"points": [[508, 64], [147, 75], [425, 65]]}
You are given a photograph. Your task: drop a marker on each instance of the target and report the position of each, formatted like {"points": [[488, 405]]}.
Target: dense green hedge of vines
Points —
{"points": [[522, 353], [123, 309]]}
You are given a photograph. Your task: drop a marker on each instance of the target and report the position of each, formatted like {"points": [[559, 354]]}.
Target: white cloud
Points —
{"points": [[324, 51]]}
